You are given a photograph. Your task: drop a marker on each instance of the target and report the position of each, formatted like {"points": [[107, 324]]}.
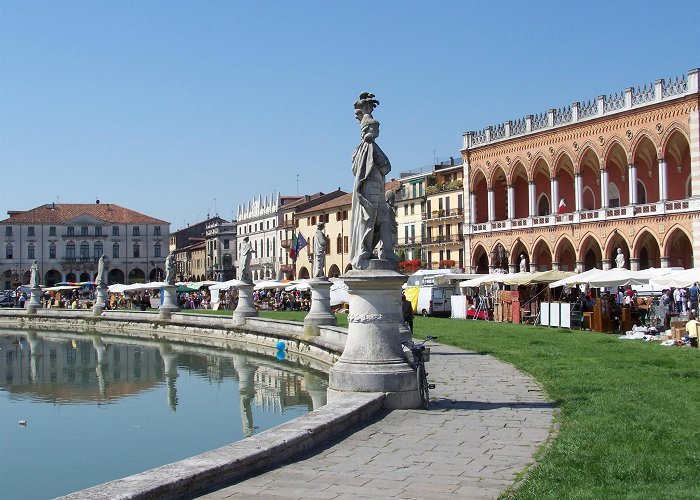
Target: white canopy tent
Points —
{"points": [[489, 279], [611, 278], [678, 278], [269, 284], [225, 285]]}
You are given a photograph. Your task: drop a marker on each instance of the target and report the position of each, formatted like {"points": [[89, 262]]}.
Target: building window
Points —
{"points": [[156, 250], [137, 251], [136, 231], [52, 251], [98, 250], [225, 244], [413, 208], [345, 244], [405, 209], [339, 244], [115, 230], [85, 251], [83, 230], [71, 231], [70, 250], [98, 230], [30, 231], [8, 230], [52, 230], [115, 251], [30, 251], [156, 231], [8, 251]]}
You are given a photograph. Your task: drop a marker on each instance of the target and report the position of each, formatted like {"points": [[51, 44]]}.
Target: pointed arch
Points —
{"points": [[678, 248], [646, 249], [565, 253], [563, 158], [541, 255], [611, 144], [640, 137]]}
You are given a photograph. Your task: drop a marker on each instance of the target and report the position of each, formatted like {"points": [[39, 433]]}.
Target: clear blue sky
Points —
{"points": [[165, 106]]}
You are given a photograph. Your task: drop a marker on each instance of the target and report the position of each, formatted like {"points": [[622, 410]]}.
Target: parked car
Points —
{"points": [[7, 300]]}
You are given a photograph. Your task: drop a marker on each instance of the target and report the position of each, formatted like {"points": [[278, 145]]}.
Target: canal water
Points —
{"points": [[76, 411]]}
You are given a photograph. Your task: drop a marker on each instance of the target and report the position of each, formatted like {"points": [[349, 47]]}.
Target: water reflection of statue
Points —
{"points": [[34, 276], [100, 280], [245, 256], [620, 259], [371, 221], [170, 269], [523, 263], [320, 246]]}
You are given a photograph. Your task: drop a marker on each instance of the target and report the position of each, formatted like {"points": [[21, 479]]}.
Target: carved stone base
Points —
{"points": [[34, 300], [373, 359], [320, 312], [245, 308], [170, 303], [100, 300]]}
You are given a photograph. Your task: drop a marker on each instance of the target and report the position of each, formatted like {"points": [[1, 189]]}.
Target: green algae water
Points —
{"points": [[76, 411]]}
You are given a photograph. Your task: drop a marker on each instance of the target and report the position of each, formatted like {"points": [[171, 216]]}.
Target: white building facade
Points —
{"points": [[257, 220], [67, 240]]}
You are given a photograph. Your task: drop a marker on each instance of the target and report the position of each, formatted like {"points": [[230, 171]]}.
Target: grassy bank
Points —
{"points": [[629, 410]]}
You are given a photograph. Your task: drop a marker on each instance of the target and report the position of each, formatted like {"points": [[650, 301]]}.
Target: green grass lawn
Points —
{"points": [[629, 410]]}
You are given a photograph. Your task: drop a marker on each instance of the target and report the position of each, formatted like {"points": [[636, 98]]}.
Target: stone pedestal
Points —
{"points": [[320, 312], [100, 300], [245, 308], [34, 300], [170, 303], [373, 359]]}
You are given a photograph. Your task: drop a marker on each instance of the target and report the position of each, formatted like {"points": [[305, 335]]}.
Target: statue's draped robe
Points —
{"points": [[369, 166]]}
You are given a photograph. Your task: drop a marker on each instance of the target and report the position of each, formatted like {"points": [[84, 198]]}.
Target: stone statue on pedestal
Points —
{"points": [[320, 245], [245, 256], [100, 279], [371, 218], [523, 263], [620, 259], [34, 276], [170, 269]]}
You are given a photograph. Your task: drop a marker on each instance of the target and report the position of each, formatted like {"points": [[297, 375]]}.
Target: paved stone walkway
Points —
{"points": [[484, 425]]}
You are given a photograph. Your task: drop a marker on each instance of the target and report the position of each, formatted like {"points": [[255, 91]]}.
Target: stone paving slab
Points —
{"points": [[484, 424]]}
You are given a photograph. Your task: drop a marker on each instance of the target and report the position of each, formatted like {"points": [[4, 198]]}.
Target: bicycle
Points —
{"points": [[421, 355]]}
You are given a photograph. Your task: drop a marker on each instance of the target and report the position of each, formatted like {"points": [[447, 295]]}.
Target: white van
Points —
{"points": [[435, 300]]}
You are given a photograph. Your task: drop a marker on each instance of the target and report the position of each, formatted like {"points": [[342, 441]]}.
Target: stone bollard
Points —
{"points": [[170, 304], [34, 300]]}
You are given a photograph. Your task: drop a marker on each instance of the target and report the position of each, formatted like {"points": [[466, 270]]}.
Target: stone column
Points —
{"points": [[34, 300], [532, 198], [245, 308], [472, 208], [554, 188], [578, 192], [606, 263], [665, 262], [634, 264], [580, 265], [663, 180], [492, 204], [604, 199], [373, 359], [320, 312], [170, 303], [632, 178], [511, 201], [101, 294]]}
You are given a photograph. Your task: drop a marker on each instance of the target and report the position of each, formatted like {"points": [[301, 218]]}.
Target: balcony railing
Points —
{"points": [[409, 195], [441, 187], [442, 214], [410, 241], [286, 224], [435, 240], [82, 260], [585, 216]]}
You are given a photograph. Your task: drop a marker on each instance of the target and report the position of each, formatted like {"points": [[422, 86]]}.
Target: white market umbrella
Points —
{"points": [[577, 279], [679, 278], [225, 285], [267, 284]]}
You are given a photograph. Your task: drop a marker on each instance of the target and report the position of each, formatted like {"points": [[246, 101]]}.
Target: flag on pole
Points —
{"points": [[293, 247], [301, 243]]}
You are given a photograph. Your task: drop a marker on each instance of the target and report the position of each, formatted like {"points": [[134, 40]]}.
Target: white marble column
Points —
{"points": [[554, 191], [472, 208], [578, 192], [492, 205], [604, 199], [632, 178], [663, 180], [531, 198], [511, 202]]}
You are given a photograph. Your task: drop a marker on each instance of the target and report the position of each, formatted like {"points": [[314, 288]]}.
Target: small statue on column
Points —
{"points": [[320, 246]]}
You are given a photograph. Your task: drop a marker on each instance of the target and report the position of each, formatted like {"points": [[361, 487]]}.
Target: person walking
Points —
{"points": [[407, 311]]}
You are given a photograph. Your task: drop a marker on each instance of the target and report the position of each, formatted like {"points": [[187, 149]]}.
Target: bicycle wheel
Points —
{"points": [[423, 385]]}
